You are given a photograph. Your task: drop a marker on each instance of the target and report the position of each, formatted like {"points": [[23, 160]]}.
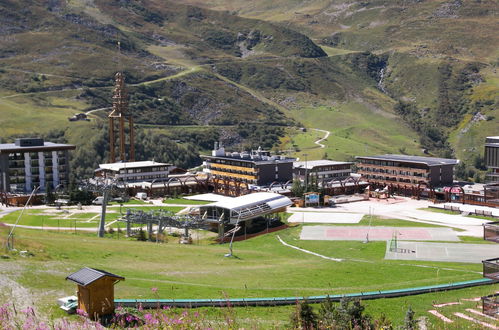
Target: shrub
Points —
{"points": [[303, 317]]}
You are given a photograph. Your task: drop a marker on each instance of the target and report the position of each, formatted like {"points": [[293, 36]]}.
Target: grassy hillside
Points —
{"points": [[201, 271], [247, 72], [429, 48]]}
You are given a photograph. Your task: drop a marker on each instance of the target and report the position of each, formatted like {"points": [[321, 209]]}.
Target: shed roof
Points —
{"points": [[86, 276]]}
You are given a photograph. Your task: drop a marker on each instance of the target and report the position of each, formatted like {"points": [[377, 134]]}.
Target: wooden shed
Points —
{"points": [[95, 291]]}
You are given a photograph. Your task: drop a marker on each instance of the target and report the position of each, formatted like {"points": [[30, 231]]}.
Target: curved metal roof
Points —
{"points": [[251, 206], [253, 199]]}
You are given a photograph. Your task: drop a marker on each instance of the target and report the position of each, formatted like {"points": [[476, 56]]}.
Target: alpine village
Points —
{"points": [[235, 164]]}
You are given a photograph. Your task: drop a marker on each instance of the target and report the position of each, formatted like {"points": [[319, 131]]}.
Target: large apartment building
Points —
{"points": [[406, 171], [257, 168], [32, 162], [492, 158]]}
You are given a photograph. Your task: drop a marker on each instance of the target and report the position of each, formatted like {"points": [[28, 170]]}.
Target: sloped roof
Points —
{"points": [[86, 276], [252, 199], [321, 162], [128, 165], [429, 161], [250, 206]]}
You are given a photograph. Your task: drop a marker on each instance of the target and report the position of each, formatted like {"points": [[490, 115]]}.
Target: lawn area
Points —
{"points": [[173, 209], [201, 271], [41, 218], [184, 201], [130, 202], [68, 218], [393, 308]]}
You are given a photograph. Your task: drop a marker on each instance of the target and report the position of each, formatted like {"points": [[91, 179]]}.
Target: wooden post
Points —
{"points": [[132, 138], [112, 158], [122, 139]]}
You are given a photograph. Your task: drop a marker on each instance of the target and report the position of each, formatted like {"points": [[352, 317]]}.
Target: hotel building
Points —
{"points": [[492, 158], [229, 171], [406, 171], [31, 162]]}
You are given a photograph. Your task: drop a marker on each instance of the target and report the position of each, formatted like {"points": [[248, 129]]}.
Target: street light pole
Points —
{"points": [[306, 173]]}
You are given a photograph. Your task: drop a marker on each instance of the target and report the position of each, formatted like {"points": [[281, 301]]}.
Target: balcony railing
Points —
{"points": [[391, 175], [401, 172], [389, 182], [490, 305], [491, 268], [394, 168], [222, 167], [233, 175], [491, 231]]}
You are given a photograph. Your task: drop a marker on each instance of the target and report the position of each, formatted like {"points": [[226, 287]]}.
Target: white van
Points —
{"points": [[141, 195], [98, 201]]}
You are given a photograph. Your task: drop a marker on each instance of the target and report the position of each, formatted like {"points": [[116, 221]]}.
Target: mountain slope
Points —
{"points": [[441, 58], [254, 82]]}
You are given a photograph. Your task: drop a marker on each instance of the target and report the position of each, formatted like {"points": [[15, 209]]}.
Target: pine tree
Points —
{"points": [[297, 188]]}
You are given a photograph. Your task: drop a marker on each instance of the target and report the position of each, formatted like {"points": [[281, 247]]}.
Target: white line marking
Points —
{"points": [[306, 251], [474, 311], [484, 324], [440, 316]]}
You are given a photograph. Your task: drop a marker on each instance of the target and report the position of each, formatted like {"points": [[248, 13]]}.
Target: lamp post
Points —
{"points": [[306, 173]]}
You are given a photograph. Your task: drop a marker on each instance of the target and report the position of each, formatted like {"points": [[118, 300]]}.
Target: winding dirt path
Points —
{"points": [[95, 110], [318, 142]]}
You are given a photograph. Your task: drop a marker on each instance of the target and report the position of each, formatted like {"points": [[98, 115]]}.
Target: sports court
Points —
{"points": [[426, 251], [359, 233]]}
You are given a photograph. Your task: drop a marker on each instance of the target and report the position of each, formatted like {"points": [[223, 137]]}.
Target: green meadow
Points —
{"points": [[262, 267]]}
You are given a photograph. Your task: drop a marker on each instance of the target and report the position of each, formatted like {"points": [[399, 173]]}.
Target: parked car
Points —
{"points": [[98, 201], [141, 195]]}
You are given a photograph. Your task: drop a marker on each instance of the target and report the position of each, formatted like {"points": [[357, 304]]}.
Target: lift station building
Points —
{"points": [[243, 208]]}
